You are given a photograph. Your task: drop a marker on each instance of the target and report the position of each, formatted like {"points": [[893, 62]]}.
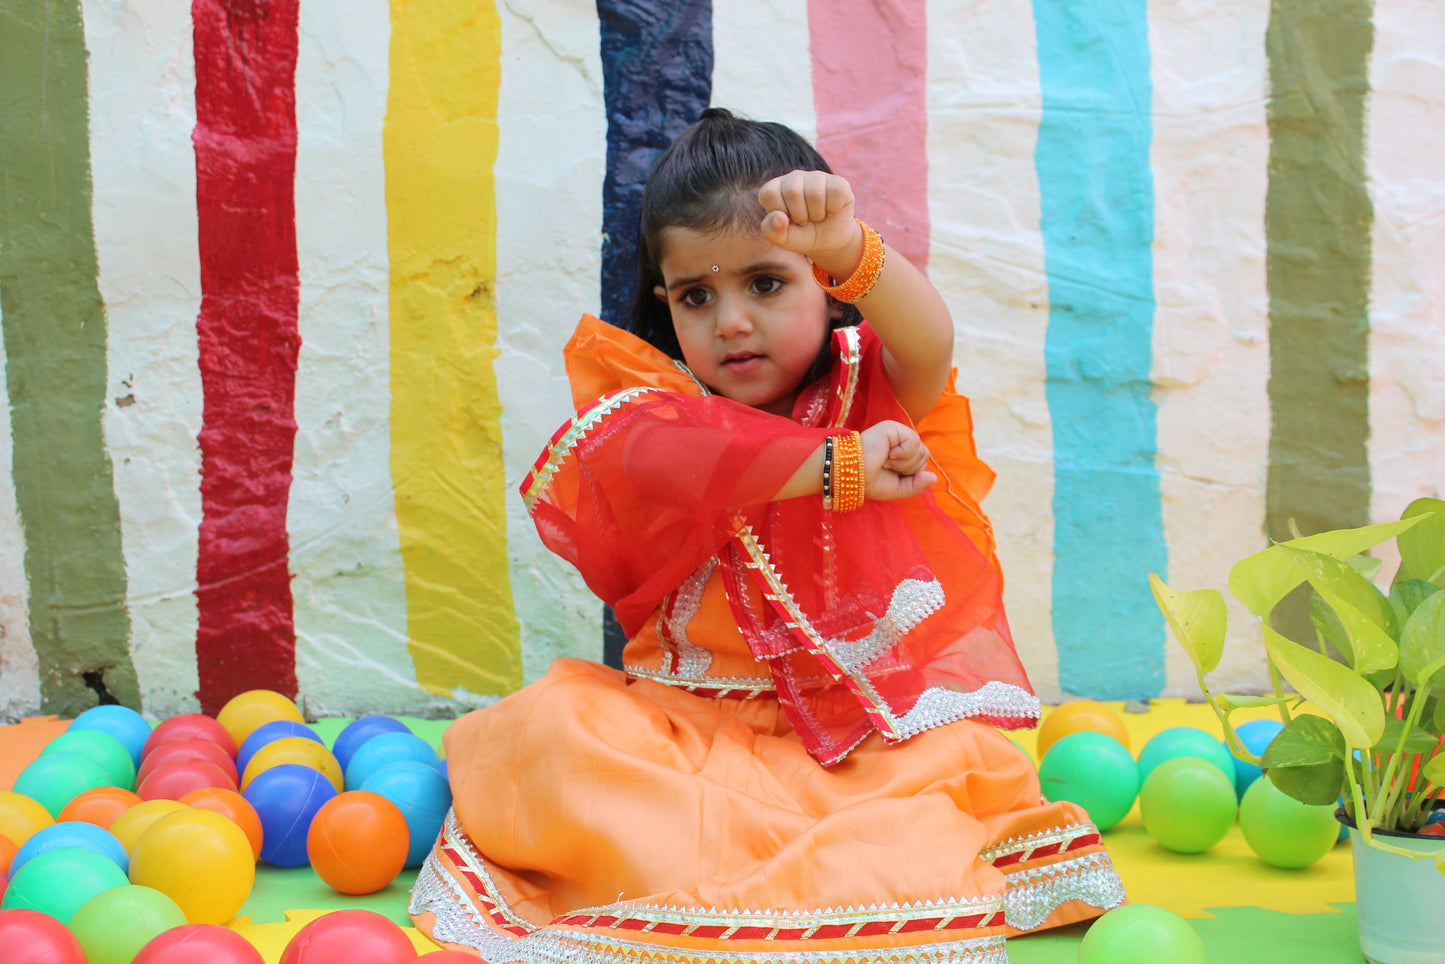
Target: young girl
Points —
{"points": [[800, 761]]}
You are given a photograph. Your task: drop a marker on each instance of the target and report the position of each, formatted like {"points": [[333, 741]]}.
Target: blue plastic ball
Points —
{"points": [[387, 748], [71, 833], [358, 731], [1180, 741], [1256, 735], [268, 733], [121, 722], [286, 798], [423, 797]]}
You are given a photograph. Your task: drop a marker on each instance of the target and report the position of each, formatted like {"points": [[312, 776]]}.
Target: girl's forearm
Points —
{"points": [[808, 480]]}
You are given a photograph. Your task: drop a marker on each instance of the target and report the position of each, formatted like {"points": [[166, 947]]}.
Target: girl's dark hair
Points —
{"points": [[707, 180]]}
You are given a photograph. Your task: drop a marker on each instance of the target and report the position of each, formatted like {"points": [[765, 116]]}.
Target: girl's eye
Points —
{"points": [[695, 297], [767, 285]]}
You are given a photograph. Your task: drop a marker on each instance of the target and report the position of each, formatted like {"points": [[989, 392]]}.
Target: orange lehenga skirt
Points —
{"points": [[670, 813]]}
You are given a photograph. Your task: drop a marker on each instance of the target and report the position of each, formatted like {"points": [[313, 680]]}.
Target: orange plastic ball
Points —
{"points": [[245, 712], [198, 859], [100, 806], [7, 854], [20, 816], [232, 806], [358, 842], [1076, 716]]}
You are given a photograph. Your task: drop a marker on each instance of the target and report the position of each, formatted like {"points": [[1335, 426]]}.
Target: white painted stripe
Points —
{"points": [[349, 597], [987, 257], [549, 172], [1407, 297], [761, 68], [142, 112], [1211, 326], [19, 669]]}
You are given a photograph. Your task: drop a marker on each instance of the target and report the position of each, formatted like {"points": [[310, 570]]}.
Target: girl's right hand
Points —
{"points": [[894, 458]]}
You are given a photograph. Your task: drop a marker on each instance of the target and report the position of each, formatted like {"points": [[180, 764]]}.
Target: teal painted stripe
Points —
{"points": [[1097, 204], [55, 363]]}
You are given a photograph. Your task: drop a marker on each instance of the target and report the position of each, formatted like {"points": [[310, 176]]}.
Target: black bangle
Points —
{"points": [[828, 473]]}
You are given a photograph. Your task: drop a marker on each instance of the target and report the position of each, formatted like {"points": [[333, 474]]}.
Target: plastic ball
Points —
{"points": [[198, 859], [115, 924], [1077, 716], [387, 748], [190, 725], [30, 937], [423, 797], [1283, 831], [1436, 816], [294, 749], [268, 732], [199, 944], [110, 753], [175, 779], [137, 820], [121, 722], [1180, 741], [191, 747], [286, 798], [54, 779], [57, 882], [1187, 804], [358, 731], [232, 806], [358, 842], [1093, 770], [100, 806], [1256, 735], [71, 833], [7, 854], [20, 816], [1141, 934], [244, 712], [354, 936]]}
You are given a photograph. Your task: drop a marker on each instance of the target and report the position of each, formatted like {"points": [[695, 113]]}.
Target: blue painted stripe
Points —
{"points": [[1097, 201]]}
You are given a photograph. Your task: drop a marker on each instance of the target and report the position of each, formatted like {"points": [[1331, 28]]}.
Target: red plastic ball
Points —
{"points": [[1433, 830], [353, 936], [358, 842], [186, 747], [190, 725], [198, 944], [30, 937], [175, 779]]}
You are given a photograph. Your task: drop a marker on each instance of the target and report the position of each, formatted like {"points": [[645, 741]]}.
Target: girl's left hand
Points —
{"points": [[811, 212]]}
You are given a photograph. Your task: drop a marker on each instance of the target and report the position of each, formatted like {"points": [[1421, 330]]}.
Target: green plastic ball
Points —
{"points": [[54, 779], [115, 924], [1180, 741], [1093, 770], [1283, 831], [103, 748], [1141, 934], [57, 882], [1187, 804]]}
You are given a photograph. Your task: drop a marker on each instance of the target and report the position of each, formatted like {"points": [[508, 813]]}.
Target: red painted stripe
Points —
{"points": [[245, 141], [870, 71]]}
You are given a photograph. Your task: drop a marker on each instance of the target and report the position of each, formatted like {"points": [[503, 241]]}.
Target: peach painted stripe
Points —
{"points": [[870, 65]]}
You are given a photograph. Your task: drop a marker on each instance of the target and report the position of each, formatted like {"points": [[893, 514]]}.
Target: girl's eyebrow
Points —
{"points": [[759, 267]]}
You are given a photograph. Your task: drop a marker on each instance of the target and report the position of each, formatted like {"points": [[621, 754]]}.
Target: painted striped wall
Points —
{"points": [[284, 287]]}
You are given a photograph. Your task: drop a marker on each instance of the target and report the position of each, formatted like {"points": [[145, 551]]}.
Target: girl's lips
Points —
{"points": [[742, 364]]}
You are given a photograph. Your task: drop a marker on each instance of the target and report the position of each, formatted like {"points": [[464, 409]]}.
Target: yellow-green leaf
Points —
{"points": [[1422, 641], [1197, 618], [1347, 699], [1434, 771], [1422, 551]]}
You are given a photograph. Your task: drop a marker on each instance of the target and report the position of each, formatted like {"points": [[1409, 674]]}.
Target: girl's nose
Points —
{"points": [[732, 318]]}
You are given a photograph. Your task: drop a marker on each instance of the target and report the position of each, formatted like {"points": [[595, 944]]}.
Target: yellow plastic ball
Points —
{"points": [[248, 711], [137, 820], [198, 859], [1080, 715], [295, 749], [21, 816]]}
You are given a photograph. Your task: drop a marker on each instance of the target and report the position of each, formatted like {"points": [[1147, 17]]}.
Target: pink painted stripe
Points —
{"points": [[870, 66]]}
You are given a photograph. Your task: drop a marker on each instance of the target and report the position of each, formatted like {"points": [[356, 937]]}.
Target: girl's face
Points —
{"points": [[748, 315]]}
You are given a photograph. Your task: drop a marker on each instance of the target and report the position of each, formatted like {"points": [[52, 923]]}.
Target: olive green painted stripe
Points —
{"points": [[1318, 219], [55, 368]]}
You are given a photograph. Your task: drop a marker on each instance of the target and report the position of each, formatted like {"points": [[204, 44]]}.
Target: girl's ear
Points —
{"points": [[660, 293], [836, 309]]}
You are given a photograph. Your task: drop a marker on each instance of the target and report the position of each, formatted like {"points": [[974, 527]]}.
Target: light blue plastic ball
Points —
{"points": [[387, 748], [121, 722], [1256, 735], [71, 833], [1184, 741], [358, 731], [423, 797]]}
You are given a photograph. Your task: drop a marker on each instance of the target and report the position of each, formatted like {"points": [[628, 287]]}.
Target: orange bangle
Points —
{"points": [[846, 482], [857, 285]]}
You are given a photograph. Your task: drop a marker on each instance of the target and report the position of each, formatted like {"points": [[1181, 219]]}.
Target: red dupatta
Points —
{"points": [[887, 619]]}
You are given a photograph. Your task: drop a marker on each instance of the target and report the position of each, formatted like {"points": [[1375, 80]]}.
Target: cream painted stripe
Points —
{"points": [[1407, 300], [19, 669], [761, 68], [142, 112], [549, 171], [348, 589], [1211, 367], [987, 258]]}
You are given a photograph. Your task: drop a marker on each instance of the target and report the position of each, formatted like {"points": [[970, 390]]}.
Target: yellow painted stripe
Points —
{"points": [[440, 144]]}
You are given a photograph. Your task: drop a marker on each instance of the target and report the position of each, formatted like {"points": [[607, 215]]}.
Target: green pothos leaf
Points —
{"points": [[1434, 771], [1197, 618], [1417, 740], [1347, 699], [1422, 548], [1305, 741], [1316, 785]]}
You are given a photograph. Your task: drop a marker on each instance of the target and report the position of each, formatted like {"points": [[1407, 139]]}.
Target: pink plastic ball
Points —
{"points": [[198, 944], [30, 937], [190, 725], [353, 936]]}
